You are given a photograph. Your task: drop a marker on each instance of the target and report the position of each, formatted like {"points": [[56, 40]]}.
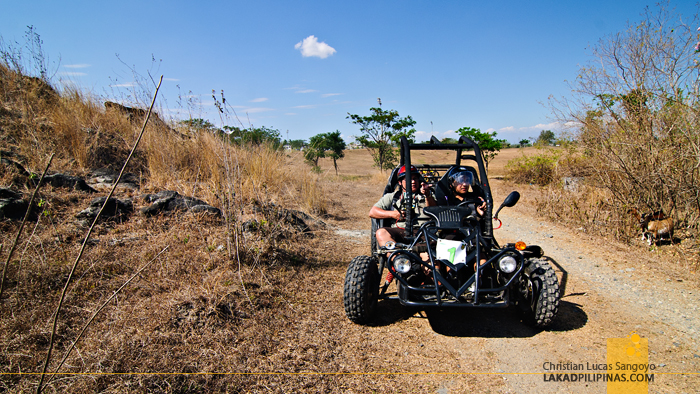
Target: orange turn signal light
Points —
{"points": [[520, 245]]}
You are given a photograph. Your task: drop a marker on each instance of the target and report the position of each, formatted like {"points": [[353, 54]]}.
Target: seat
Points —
{"points": [[392, 181], [379, 223], [448, 217]]}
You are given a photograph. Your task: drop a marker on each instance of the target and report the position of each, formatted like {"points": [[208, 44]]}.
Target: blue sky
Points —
{"points": [[301, 66]]}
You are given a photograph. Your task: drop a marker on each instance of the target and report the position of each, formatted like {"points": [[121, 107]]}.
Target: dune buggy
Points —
{"points": [[437, 266]]}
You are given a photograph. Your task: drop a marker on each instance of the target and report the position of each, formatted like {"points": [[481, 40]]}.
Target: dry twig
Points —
{"points": [[87, 236], [98, 310]]}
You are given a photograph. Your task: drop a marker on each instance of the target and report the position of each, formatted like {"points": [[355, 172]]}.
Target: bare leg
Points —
{"points": [[386, 234]]}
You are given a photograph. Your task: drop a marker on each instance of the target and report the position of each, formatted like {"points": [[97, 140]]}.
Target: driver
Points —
{"points": [[392, 206], [463, 191]]}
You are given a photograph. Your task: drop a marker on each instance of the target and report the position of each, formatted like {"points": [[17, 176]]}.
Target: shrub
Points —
{"points": [[538, 169]]}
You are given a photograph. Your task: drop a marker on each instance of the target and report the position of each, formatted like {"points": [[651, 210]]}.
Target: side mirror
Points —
{"points": [[510, 201]]}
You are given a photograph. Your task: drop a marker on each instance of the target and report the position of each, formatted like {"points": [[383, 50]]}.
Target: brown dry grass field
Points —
{"points": [[357, 162]]}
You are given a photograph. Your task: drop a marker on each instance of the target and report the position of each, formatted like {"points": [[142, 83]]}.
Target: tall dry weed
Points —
{"points": [[312, 193], [262, 172], [380, 178], [587, 208]]}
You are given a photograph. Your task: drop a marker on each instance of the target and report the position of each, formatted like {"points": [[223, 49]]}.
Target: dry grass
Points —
{"points": [[197, 293]]}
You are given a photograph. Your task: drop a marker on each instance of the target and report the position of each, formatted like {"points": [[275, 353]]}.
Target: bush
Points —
{"points": [[537, 169]]}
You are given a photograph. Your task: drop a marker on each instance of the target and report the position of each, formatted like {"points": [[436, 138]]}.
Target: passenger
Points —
{"points": [[392, 206]]}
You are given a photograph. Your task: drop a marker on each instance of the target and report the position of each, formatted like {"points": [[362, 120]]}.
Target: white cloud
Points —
{"points": [[258, 100], [71, 74], [422, 136], [513, 133], [310, 47], [172, 79], [251, 110], [306, 91], [258, 109], [540, 127], [77, 65], [305, 106], [124, 85], [425, 135], [330, 94]]}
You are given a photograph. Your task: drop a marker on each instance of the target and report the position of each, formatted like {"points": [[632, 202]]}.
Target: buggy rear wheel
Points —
{"points": [[361, 289], [538, 299]]}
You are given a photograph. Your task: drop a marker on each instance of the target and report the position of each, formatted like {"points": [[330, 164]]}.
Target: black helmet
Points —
{"points": [[461, 176]]}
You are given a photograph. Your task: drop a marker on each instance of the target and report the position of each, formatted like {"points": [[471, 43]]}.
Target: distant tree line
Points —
{"points": [[237, 135], [330, 145]]}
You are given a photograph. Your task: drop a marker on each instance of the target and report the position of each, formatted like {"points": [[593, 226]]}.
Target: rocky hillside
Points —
{"points": [[188, 268]]}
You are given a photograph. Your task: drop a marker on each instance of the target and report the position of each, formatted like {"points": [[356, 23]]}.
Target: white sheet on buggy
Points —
{"points": [[453, 251]]}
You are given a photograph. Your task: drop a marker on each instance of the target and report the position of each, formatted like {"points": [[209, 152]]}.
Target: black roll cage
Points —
{"points": [[464, 143], [441, 291]]}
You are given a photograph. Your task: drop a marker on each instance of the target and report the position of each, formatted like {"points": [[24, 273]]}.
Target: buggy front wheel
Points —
{"points": [[361, 289], [538, 299]]}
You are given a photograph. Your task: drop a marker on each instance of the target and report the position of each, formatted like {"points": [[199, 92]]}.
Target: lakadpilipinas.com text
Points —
{"points": [[598, 372]]}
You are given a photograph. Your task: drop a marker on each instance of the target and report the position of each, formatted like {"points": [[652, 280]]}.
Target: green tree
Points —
{"points": [[296, 144], [199, 124], [448, 140], [325, 145], [381, 131], [487, 142], [524, 142], [315, 150], [336, 147], [546, 138]]}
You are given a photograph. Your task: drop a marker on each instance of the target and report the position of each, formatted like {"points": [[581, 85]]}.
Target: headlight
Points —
{"points": [[402, 264], [507, 264], [390, 245]]}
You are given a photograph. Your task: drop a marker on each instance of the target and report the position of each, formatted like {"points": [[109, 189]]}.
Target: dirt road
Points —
{"points": [[608, 291]]}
